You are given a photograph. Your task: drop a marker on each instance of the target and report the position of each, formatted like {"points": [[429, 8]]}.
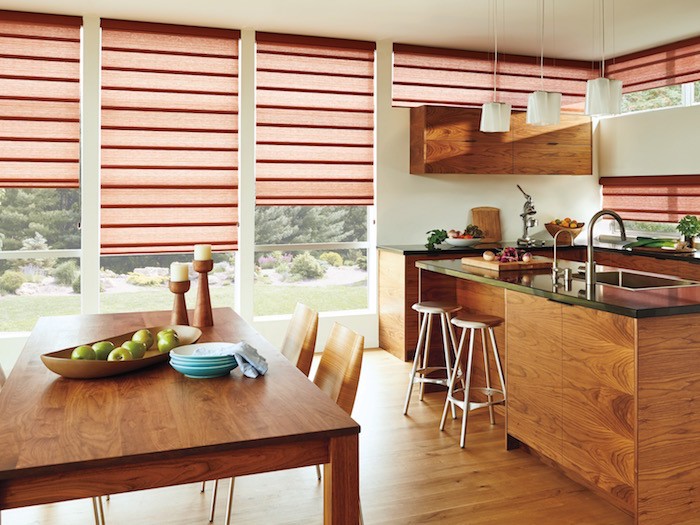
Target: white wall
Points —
{"points": [[410, 205], [659, 142]]}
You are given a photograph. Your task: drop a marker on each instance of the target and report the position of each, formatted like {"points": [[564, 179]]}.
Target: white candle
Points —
{"points": [[202, 252], [179, 272]]}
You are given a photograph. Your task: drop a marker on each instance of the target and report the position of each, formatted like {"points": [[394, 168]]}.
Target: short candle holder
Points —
{"points": [[179, 315], [202, 310]]}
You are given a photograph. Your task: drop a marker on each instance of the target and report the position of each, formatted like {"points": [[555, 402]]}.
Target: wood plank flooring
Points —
{"points": [[410, 473]]}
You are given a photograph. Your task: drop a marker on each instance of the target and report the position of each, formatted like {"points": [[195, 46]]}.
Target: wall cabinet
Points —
{"points": [[448, 140]]}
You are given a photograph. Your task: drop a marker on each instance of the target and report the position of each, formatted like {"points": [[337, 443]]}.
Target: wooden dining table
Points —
{"points": [[63, 439]]}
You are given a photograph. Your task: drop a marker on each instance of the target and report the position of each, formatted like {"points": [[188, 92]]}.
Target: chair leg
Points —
{"points": [[94, 511], [416, 359], [487, 372], [467, 381], [497, 358], [426, 351], [362, 519], [213, 500], [229, 502], [453, 380], [318, 472], [445, 322], [204, 486]]}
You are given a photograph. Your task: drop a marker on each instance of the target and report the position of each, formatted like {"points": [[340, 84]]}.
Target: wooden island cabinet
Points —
{"points": [[604, 388]]}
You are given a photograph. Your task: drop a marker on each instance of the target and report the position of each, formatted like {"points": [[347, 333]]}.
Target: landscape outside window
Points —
{"points": [[133, 283], [663, 97], [326, 279], [38, 219], [697, 92]]}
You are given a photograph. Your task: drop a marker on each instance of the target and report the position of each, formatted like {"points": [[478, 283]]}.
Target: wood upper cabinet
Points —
{"points": [[448, 140]]}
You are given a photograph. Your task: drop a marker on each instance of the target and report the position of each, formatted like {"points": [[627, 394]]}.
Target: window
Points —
{"points": [[314, 173], [696, 89], [655, 98], [39, 168]]}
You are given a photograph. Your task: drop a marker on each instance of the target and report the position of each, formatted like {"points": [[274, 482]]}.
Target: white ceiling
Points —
{"points": [[461, 24]]}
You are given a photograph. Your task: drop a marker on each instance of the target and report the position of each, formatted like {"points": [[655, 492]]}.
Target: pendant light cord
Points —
{"points": [[495, 46], [542, 45], [602, 30]]}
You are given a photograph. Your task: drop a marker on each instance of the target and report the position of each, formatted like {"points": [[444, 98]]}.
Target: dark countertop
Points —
{"points": [[638, 303]]}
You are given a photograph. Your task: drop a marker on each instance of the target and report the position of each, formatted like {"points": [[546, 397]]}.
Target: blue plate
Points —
{"points": [[206, 361], [204, 372]]}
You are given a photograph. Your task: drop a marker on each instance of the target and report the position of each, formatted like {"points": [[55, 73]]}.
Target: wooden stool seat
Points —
{"points": [[422, 372], [458, 395]]}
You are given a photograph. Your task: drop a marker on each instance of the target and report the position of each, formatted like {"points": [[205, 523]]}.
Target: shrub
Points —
{"points": [[361, 262], [332, 258], [306, 266], [10, 281], [139, 279], [65, 273], [76, 285]]}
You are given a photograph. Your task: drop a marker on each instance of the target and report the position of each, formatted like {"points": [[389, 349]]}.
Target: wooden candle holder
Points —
{"points": [[179, 315], [202, 310]]}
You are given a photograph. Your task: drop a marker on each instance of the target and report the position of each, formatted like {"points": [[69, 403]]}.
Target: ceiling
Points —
{"points": [[571, 31]]}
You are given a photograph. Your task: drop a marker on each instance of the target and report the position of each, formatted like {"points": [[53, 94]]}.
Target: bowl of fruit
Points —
{"points": [[469, 237], [570, 226]]}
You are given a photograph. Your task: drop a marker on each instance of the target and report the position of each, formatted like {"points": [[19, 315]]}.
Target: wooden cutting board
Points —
{"points": [[537, 263], [489, 220]]}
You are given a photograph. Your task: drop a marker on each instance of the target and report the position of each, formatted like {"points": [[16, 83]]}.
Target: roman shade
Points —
{"points": [[451, 77], [667, 65], [39, 100], [169, 165], [315, 121], [656, 199]]}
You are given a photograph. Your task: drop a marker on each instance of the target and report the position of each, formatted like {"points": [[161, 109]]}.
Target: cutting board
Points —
{"points": [[489, 220], [537, 263]]}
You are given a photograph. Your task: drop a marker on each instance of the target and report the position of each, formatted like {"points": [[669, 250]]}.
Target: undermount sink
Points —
{"points": [[638, 281]]}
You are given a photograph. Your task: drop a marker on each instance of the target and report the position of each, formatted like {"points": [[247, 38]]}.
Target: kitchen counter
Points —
{"points": [[630, 303], [420, 249]]}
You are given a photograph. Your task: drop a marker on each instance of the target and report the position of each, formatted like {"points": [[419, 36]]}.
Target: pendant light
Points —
{"points": [[543, 107], [495, 116], [603, 95]]}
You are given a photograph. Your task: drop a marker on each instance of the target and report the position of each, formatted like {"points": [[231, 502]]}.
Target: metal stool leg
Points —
{"points": [[487, 372], [426, 351], [416, 360], [467, 383]]}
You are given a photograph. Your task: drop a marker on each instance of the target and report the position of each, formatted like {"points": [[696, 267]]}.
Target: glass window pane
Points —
{"points": [[32, 288], [697, 92], [663, 97], [309, 224], [140, 282], [39, 218], [330, 280]]}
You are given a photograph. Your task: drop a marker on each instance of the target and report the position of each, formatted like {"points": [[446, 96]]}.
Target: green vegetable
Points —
{"points": [[435, 237]]}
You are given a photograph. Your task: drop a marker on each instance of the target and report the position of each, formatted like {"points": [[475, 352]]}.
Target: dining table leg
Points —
{"points": [[341, 485]]}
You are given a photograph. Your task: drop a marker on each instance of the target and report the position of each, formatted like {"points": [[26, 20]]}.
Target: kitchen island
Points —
{"points": [[603, 385]]}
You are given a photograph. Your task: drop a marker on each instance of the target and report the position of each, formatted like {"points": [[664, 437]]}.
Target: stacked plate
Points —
{"points": [[184, 360]]}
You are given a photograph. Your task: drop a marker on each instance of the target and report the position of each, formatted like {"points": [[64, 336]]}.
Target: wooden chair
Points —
{"points": [[300, 339], [338, 375], [97, 508]]}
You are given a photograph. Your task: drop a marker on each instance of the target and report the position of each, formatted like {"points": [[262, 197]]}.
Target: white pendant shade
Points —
{"points": [[495, 117], [603, 96], [543, 108]]}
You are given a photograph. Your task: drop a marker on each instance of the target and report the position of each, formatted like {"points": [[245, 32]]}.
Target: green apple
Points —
{"points": [[166, 331], [137, 349], [120, 354], [167, 342], [83, 352], [102, 349], [143, 336]]}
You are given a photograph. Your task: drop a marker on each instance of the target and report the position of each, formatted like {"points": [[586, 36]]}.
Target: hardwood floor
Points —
{"points": [[411, 473]]}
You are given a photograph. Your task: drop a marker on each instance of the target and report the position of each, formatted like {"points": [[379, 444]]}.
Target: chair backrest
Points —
{"points": [[300, 339], [338, 371], [2, 377]]}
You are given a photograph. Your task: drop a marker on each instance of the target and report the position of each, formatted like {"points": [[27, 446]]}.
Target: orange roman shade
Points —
{"points": [[169, 167], [39, 100], [315, 121], [666, 198], [452, 77], [667, 65]]}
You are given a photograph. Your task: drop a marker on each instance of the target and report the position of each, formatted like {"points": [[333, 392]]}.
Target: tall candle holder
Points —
{"points": [[202, 310], [179, 315]]}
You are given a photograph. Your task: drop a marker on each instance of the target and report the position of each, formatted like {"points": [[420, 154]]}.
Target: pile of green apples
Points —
{"points": [[135, 348]]}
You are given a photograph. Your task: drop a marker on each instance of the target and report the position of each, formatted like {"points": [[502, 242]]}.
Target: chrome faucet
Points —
{"points": [[555, 267], [590, 261]]}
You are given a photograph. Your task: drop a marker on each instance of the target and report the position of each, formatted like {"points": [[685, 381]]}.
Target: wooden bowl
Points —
{"points": [[563, 238]]}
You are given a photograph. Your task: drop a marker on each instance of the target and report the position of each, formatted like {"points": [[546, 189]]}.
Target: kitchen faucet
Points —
{"points": [[590, 261], [528, 220]]}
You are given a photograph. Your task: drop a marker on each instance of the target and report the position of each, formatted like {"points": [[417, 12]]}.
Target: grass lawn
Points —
{"points": [[19, 313]]}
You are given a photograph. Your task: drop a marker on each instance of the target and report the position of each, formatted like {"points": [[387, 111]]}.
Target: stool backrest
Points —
{"points": [[338, 371], [300, 339]]}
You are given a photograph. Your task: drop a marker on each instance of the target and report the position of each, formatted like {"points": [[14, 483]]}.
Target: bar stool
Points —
{"points": [[459, 396], [420, 371]]}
